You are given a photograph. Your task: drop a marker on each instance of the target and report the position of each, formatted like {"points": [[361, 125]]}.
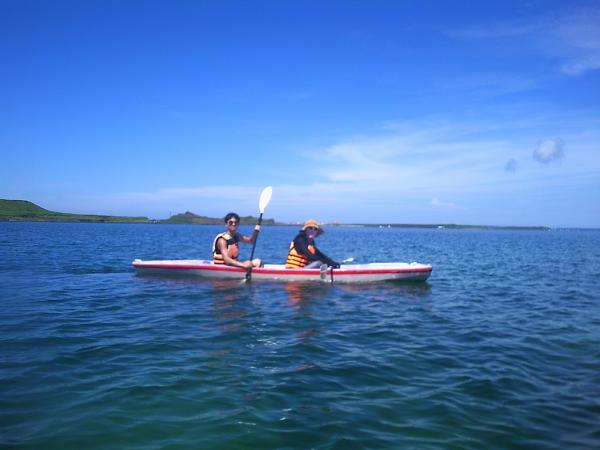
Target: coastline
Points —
{"points": [[25, 211], [146, 221]]}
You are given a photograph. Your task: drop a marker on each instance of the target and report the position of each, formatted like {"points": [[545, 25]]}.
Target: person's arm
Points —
{"points": [[301, 246], [222, 244], [250, 239], [326, 259]]}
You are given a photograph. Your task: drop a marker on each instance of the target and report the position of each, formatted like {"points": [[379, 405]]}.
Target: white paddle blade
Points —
{"points": [[348, 260], [265, 198]]}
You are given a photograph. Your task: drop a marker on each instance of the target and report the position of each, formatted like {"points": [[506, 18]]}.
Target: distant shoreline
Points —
{"points": [[25, 211], [451, 226], [340, 225]]}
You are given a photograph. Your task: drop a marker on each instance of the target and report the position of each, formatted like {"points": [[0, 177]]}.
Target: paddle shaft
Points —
{"points": [[249, 273]]}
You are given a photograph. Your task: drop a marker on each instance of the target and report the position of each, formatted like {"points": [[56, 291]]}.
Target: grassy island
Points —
{"points": [[25, 211], [191, 218]]}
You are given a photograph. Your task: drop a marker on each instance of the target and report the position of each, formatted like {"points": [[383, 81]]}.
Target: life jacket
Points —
{"points": [[297, 260], [232, 247]]}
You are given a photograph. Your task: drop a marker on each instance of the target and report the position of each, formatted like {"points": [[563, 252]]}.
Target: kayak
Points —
{"points": [[347, 273]]}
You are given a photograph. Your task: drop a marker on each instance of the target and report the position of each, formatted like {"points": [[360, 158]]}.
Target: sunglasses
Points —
{"points": [[311, 228], [232, 222]]}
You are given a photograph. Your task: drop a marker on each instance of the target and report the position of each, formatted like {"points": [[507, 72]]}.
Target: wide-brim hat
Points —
{"points": [[313, 223]]}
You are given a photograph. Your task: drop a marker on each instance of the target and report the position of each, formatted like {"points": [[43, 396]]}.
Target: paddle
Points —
{"points": [[265, 198]]}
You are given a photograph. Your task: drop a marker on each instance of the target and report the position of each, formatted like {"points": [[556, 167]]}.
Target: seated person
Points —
{"points": [[303, 252], [226, 244]]}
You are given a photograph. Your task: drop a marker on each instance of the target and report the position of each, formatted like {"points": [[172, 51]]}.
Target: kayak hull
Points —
{"points": [[350, 273]]}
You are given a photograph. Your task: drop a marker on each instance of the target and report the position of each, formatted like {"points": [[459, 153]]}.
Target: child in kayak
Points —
{"points": [[303, 252], [226, 245]]}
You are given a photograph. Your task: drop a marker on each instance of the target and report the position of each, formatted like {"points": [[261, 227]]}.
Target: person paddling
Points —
{"points": [[226, 244], [303, 252]]}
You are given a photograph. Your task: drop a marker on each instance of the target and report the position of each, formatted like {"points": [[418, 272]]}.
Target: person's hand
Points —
{"points": [[257, 227]]}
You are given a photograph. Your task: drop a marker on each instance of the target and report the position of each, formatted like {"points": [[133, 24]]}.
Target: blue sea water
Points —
{"points": [[500, 348]]}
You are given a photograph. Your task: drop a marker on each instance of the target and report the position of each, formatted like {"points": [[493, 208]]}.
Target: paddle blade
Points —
{"points": [[265, 198]]}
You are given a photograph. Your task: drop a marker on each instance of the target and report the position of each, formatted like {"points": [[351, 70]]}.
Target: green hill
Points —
{"points": [[191, 218], [21, 207], [23, 210]]}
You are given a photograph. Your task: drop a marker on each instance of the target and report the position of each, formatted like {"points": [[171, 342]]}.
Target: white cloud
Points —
{"points": [[407, 172], [549, 150], [416, 158], [435, 202]]}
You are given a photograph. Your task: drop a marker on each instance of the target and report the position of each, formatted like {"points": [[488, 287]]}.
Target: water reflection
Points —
{"points": [[224, 284], [228, 308], [300, 295], [231, 318], [169, 278], [414, 289], [298, 292]]}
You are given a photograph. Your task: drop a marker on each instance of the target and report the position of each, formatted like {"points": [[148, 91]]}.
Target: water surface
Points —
{"points": [[498, 349]]}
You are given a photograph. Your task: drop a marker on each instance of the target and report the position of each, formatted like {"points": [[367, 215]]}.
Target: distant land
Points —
{"points": [[454, 226], [26, 211], [191, 218]]}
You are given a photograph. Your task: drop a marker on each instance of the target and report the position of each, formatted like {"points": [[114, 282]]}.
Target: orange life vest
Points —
{"points": [[232, 247], [297, 260]]}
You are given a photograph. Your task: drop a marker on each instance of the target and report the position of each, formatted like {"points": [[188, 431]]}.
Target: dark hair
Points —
{"points": [[231, 215]]}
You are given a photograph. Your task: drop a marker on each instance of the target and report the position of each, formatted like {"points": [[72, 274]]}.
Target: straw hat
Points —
{"points": [[315, 224]]}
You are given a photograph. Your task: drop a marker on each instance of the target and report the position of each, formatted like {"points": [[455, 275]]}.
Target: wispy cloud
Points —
{"points": [[160, 203], [437, 203], [423, 171], [571, 36], [488, 86], [205, 192], [577, 38], [416, 158]]}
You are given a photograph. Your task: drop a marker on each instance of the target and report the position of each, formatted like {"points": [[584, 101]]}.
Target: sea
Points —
{"points": [[498, 349]]}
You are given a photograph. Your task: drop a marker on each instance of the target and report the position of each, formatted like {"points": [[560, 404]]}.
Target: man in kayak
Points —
{"points": [[226, 245], [303, 252]]}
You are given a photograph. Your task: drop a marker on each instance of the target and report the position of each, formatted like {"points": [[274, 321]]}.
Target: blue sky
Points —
{"points": [[378, 111]]}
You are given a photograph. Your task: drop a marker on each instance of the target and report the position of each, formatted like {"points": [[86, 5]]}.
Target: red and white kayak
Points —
{"points": [[347, 273]]}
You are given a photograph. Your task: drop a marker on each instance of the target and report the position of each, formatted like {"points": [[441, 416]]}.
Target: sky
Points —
{"points": [[354, 111]]}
